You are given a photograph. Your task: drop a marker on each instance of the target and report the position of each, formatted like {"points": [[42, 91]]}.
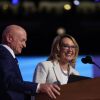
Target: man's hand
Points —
{"points": [[51, 89]]}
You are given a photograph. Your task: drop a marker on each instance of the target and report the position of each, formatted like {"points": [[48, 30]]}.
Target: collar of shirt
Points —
{"points": [[10, 50]]}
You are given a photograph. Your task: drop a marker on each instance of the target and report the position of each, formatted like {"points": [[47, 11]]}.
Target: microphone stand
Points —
{"points": [[89, 60], [96, 65]]}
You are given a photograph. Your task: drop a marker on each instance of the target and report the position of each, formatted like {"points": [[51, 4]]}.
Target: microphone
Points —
{"points": [[88, 59]]}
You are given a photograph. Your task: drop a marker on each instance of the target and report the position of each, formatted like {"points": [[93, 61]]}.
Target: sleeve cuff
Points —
{"points": [[38, 87]]}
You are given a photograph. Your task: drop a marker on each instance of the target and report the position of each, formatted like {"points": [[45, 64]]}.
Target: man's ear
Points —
{"points": [[9, 38]]}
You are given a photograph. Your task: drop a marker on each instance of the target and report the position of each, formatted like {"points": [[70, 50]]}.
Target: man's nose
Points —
{"points": [[24, 45]]}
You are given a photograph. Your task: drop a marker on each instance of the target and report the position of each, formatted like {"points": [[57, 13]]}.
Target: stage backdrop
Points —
{"points": [[28, 63]]}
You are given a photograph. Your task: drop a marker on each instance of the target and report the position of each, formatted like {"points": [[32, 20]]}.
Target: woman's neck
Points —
{"points": [[64, 65]]}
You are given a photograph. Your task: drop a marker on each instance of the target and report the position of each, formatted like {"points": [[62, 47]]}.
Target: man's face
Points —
{"points": [[18, 41]]}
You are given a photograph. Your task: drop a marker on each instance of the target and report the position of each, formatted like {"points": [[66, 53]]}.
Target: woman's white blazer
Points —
{"points": [[50, 72]]}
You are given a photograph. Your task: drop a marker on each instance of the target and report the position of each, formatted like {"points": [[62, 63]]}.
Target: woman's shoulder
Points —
{"points": [[46, 63], [74, 71]]}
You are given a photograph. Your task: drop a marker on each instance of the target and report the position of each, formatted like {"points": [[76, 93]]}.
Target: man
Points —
{"points": [[12, 86]]}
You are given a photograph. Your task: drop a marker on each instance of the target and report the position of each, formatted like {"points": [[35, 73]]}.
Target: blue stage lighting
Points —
{"points": [[15, 2]]}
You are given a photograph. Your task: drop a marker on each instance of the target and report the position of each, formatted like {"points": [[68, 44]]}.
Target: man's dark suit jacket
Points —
{"points": [[12, 86]]}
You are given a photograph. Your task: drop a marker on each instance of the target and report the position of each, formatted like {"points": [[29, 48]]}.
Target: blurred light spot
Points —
{"points": [[15, 2], [5, 6], [61, 31], [67, 6], [76, 2], [97, 0]]}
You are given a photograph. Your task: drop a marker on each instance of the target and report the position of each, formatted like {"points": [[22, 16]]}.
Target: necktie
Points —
{"points": [[16, 60]]}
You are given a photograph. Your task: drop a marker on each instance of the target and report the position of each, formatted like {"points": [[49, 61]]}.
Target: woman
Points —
{"points": [[61, 62]]}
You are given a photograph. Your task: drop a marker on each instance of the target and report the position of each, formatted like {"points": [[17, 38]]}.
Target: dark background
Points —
{"points": [[41, 28]]}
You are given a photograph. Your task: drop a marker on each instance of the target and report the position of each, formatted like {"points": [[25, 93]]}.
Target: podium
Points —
{"points": [[86, 89]]}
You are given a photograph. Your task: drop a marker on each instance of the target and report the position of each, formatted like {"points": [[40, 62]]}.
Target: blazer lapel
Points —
{"points": [[57, 71]]}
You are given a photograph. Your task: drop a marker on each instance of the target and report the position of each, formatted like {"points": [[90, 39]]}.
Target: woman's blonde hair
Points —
{"points": [[56, 45]]}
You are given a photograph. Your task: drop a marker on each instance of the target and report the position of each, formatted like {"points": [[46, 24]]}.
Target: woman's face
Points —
{"points": [[67, 50]]}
